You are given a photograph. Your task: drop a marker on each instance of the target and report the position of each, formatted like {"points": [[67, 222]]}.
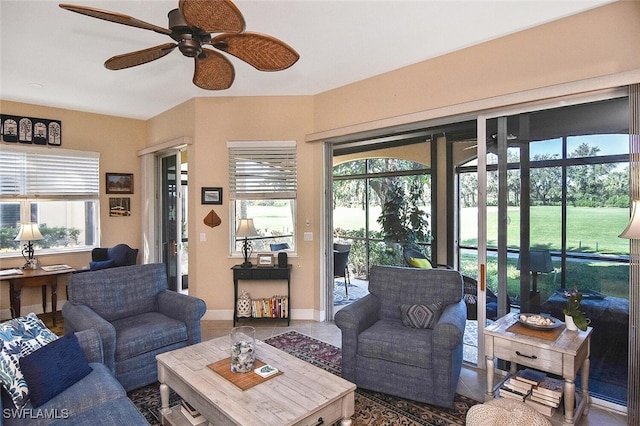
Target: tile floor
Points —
{"points": [[472, 381]]}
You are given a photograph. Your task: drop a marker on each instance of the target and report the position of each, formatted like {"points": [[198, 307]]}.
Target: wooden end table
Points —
{"points": [[564, 356], [35, 278]]}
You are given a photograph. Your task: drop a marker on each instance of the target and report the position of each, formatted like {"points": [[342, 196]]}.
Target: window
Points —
{"points": [[58, 189], [263, 186]]}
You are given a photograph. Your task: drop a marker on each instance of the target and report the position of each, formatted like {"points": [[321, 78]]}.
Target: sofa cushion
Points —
{"points": [[392, 341], [421, 316], [102, 264], [146, 332], [53, 368], [117, 412], [20, 337]]}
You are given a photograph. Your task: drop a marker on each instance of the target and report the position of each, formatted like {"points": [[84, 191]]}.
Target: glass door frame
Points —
{"points": [[482, 120]]}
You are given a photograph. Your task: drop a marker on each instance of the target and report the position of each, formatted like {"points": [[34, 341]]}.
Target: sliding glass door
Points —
{"points": [[553, 196]]}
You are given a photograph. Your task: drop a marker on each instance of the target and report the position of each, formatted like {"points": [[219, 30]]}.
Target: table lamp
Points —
{"points": [[246, 230], [29, 232], [632, 230]]}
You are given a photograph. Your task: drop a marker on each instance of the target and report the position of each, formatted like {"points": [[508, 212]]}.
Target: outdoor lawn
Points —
{"points": [[590, 231]]}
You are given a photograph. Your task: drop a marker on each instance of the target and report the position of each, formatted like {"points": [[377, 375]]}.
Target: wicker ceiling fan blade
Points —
{"points": [[263, 52], [118, 18], [213, 71], [213, 16], [139, 57]]}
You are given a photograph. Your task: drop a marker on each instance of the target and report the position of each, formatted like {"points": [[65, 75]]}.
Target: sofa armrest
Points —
{"points": [[91, 344], [185, 308], [81, 317], [449, 331]]}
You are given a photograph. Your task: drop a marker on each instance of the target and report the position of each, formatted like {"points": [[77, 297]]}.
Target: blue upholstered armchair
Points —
{"points": [[136, 316], [405, 337]]}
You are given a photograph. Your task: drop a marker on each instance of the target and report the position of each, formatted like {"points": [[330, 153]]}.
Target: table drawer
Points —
{"points": [[529, 355], [329, 414]]}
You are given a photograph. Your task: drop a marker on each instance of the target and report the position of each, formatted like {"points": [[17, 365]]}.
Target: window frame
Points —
{"points": [[276, 154], [27, 195]]}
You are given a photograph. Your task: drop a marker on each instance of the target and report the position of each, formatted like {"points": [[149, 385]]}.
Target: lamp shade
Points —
{"points": [[29, 232], [633, 228], [246, 229], [539, 261]]}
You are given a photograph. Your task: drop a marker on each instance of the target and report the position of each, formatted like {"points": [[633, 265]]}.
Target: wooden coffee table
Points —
{"points": [[303, 394]]}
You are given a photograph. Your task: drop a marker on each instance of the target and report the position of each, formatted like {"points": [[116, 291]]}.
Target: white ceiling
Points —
{"points": [[53, 57]]}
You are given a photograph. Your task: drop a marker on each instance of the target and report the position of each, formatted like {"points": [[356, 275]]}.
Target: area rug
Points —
{"points": [[371, 408]]}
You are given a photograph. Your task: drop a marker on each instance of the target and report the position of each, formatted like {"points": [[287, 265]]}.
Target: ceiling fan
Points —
{"points": [[191, 26]]}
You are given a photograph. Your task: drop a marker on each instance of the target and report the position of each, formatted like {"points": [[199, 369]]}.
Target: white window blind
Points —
{"points": [[48, 173], [262, 170]]}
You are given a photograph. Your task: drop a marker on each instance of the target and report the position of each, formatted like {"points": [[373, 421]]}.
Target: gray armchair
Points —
{"points": [[136, 316], [383, 351]]}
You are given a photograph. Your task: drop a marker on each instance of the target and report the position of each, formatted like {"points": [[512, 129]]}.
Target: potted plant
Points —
{"points": [[574, 318]]}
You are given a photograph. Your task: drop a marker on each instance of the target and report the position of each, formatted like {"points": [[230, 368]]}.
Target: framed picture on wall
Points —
{"points": [[119, 183], [119, 207], [211, 195]]}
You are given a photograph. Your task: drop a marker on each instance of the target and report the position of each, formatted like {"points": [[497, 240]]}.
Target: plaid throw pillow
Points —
{"points": [[421, 316]]}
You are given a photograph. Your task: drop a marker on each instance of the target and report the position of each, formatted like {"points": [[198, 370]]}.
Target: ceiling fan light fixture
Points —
{"points": [[190, 47]]}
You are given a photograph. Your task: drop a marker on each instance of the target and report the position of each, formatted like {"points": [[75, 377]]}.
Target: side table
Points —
{"points": [[261, 273], [564, 356], [35, 278]]}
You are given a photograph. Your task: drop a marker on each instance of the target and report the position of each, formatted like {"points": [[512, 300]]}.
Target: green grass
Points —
{"points": [[591, 230]]}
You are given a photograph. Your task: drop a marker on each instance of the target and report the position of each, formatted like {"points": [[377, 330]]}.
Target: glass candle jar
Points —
{"points": [[243, 349]]}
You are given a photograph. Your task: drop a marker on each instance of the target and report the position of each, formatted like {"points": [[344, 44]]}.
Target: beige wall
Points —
{"points": [[596, 43], [117, 140], [599, 42]]}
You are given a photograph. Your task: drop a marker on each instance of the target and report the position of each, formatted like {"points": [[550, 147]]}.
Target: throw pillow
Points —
{"points": [[20, 337], [418, 262], [53, 368], [421, 316], [102, 264]]}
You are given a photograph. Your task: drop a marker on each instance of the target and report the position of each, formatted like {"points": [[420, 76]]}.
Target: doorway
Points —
{"points": [[173, 205]]}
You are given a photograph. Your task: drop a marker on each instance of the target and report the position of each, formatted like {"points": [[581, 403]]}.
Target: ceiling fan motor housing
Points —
{"points": [[189, 38]]}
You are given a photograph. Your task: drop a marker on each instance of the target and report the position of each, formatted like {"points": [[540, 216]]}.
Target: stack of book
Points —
{"points": [[548, 393], [191, 414], [515, 389], [545, 393]]}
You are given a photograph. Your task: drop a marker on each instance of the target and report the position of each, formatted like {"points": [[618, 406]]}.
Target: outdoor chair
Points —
{"points": [[341, 264], [405, 338]]}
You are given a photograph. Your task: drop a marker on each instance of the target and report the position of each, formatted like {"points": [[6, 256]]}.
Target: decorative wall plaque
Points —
{"points": [[39, 131]]}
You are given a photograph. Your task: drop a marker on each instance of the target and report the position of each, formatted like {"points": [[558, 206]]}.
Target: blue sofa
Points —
{"points": [[405, 337], [97, 399], [136, 316]]}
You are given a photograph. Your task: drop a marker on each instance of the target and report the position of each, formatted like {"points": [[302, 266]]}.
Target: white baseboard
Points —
{"points": [[5, 314]]}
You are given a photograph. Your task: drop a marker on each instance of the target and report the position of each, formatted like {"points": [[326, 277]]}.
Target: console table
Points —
{"points": [[256, 273], [35, 278], [564, 356]]}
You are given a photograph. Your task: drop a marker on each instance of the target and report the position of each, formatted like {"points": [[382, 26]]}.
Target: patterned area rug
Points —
{"points": [[371, 408]]}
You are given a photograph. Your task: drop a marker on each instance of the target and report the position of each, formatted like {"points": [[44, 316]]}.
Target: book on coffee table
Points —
{"points": [[266, 371]]}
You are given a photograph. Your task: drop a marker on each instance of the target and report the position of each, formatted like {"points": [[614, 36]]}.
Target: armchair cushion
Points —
{"points": [[53, 368], [102, 264], [146, 332], [421, 316]]}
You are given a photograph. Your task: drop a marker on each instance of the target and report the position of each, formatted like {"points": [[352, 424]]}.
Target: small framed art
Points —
{"points": [[211, 195], [119, 183], [265, 260]]}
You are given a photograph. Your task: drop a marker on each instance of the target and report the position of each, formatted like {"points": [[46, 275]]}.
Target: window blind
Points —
{"points": [[48, 173], [262, 170]]}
